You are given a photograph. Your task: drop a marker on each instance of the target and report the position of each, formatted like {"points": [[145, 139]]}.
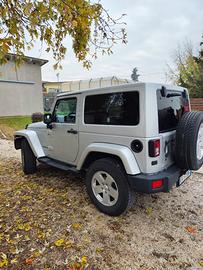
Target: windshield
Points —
{"points": [[170, 109]]}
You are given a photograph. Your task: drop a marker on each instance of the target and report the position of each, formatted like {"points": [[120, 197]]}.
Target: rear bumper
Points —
{"points": [[143, 182]]}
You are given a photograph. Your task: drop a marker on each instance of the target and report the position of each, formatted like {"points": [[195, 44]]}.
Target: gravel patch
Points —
{"points": [[7, 150], [48, 222]]}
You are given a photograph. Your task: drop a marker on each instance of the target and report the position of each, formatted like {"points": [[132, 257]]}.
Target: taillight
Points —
{"points": [[186, 108], [157, 184], [154, 148]]}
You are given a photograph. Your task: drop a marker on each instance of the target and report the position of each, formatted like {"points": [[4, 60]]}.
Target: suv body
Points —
{"points": [[131, 126]]}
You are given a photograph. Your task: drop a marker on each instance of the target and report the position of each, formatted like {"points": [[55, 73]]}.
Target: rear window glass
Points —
{"points": [[112, 109], [170, 109]]}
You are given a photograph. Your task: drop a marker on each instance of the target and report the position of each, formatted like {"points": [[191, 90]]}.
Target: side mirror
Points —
{"points": [[47, 119]]}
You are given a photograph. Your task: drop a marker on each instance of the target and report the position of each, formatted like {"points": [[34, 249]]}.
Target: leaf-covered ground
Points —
{"points": [[48, 222]]}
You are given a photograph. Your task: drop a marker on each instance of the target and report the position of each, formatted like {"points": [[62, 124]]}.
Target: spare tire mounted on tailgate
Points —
{"points": [[189, 141]]}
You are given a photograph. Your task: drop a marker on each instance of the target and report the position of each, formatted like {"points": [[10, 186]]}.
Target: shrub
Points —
{"points": [[37, 117]]}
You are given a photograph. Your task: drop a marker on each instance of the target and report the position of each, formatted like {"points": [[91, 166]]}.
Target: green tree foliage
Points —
{"points": [[89, 25], [188, 70], [135, 75], [199, 61]]}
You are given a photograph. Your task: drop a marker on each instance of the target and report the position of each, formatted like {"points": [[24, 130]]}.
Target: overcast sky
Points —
{"points": [[155, 28]]}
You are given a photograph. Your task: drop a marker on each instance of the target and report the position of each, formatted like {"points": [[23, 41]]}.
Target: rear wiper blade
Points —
{"points": [[174, 95]]}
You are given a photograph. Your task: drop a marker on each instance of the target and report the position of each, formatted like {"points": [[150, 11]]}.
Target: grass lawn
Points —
{"points": [[15, 122], [9, 124]]}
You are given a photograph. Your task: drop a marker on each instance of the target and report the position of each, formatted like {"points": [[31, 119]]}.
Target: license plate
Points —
{"points": [[183, 178]]}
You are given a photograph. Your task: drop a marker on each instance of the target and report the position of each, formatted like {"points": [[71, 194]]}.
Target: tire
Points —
{"points": [[29, 163], [189, 141], [110, 172]]}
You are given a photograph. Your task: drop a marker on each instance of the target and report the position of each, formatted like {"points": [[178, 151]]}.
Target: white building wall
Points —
{"points": [[20, 89]]}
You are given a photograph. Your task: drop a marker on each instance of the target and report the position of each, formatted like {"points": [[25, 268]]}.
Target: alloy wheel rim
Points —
{"points": [[199, 148], [104, 188]]}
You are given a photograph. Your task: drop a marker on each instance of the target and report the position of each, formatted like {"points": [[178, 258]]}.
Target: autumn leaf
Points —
{"points": [[37, 253], [77, 226], [84, 260], [41, 234], [79, 264], [75, 266], [149, 211], [26, 227], [4, 260], [201, 263], [13, 261], [59, 242], [29, 261], [1, 236], [190, 229], [83, 21], [20, 226], [99, 250], [69, 244], [27, 238]]}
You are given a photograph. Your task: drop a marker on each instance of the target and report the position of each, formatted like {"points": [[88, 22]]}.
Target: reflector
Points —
{"points": [[157, 183]]}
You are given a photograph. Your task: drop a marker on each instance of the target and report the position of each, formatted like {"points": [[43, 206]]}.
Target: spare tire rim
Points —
{"points": [[104, 188], [200, 143]]}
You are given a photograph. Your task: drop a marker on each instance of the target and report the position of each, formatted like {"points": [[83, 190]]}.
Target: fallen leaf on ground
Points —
{"points": [[14, 261], [77, 226], [84, 260], [59, 242], [149, 211], [69, 244], [29, 261], [4, 260], [201, 263], [190, 229]]}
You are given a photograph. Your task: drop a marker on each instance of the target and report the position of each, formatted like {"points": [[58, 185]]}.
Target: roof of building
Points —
{"points": [[34, 60], [153, 86], [90, 79], [121, 86]]}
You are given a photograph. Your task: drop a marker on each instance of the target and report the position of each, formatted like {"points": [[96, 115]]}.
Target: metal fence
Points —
{"points": [[48, 100], [196, 104]]}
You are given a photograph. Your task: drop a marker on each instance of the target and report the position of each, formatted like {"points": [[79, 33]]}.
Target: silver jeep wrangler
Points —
{"points": [[135, 137]]}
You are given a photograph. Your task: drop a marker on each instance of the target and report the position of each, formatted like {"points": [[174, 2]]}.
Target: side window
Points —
{"points": [[112, 109], [65, 111]]}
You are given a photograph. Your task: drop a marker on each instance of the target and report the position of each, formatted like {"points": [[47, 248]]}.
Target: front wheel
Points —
{"points": [[29, 163], [108, 188]]}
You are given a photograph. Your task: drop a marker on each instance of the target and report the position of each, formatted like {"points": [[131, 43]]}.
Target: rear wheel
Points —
{"points": [[29, 163], [108, 187], [189, 141]]}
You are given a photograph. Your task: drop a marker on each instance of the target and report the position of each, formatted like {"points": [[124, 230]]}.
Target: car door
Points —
{"points": [[63, 137]]}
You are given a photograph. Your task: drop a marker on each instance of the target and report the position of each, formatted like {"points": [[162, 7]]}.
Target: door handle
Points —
{"points": [[73, 131]]}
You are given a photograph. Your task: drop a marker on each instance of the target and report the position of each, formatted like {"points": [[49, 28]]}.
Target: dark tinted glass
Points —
{"points": [[112, 109], [170, 110]]}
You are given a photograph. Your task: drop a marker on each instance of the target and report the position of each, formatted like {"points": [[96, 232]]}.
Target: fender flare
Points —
{"points": [[124, 153], [33, 140]]}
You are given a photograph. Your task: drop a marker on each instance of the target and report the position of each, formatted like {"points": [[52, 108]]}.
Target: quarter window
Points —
{"points": [[170, 109], [112, 109]]}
